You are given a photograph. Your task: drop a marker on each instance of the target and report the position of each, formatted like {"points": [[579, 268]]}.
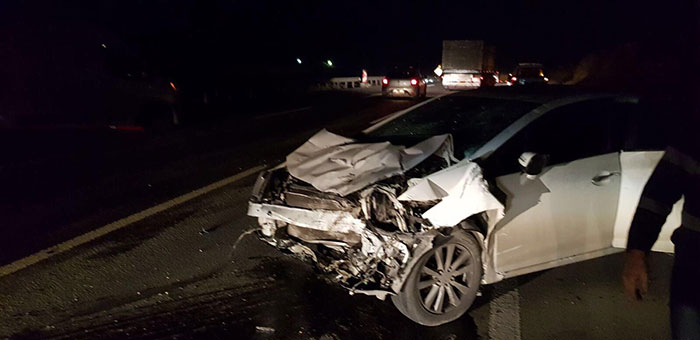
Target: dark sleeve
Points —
{"points": [[662, 191]]}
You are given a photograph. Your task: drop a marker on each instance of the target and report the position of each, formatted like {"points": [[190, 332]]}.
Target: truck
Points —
{"points": [[464, 62]]}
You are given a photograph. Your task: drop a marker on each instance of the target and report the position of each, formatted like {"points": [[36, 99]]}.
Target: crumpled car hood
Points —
{"points": [[333, 163]]}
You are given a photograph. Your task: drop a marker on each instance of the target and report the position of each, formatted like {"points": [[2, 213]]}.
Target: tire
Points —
{"points": [[443, 305]]}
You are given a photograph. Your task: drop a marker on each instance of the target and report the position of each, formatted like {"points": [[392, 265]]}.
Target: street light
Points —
{"points": [[329, 63], [298, 61]]}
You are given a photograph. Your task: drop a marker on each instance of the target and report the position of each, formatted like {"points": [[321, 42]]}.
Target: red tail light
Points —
{"points": [[414, 82], [385, 81]]}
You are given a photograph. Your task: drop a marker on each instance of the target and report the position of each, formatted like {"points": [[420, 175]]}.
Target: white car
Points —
{"points": [[404, 83], [494, 185]]}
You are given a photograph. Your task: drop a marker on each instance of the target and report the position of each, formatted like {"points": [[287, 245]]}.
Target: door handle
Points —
{"points": [[604, 177]]}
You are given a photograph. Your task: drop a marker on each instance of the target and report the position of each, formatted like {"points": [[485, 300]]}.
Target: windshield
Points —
{"points": [[472, 121], [530, 72]]}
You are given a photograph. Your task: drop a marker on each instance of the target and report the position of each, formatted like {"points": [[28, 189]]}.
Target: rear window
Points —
{"points": [[402, 74]]}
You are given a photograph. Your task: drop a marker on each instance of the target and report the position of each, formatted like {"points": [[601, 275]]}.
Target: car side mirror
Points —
{"points": [[533, 163]]}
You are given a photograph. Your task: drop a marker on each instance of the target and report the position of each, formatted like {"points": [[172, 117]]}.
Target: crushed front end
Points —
{"points": [[365, 213], [365, 241]]}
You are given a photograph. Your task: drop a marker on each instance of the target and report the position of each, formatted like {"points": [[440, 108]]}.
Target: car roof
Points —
{"points": [[549, 96]]}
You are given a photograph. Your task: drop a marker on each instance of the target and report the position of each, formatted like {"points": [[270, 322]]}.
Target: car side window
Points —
{"points": [[565, 134], [646, 129]]}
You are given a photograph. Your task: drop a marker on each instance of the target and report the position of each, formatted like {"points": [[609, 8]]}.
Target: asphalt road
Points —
{"points": [[176, 274], [59, 183]]}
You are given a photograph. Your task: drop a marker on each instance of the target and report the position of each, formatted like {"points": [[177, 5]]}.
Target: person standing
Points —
{"points": [[677, 175]]}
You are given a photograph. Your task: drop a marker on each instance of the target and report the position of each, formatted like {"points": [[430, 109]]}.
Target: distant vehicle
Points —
{"points": [[427, 230], [504, 78], [489, 79], [431, 79], [463, 61], [404, 83], [529, 74]]}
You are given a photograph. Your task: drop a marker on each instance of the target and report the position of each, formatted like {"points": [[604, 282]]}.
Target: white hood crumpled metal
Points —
{"points": [[463, 192], [333, 163]]}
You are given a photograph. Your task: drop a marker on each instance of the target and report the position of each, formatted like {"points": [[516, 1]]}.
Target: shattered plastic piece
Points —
{"points": [[379, 294], [463, 191], [262, 329], [326, 220], [303, 250], [369, 200], [329, 336], [370, 242], [240, 237]]}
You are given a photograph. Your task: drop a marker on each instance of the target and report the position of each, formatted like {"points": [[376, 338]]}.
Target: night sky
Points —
{"points": [[48, 42], [354, 33]]}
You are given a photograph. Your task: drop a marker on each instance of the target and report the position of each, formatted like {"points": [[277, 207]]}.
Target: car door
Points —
{"points": [[568, 211], [643, 149]]}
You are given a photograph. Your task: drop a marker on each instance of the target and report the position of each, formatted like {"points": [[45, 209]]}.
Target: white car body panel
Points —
{"points": [[635, 170], [498, 276], [562, 216], [637, 167], [462, 190]]}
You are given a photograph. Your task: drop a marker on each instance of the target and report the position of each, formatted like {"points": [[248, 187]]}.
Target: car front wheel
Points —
{"points": [[444, 282]]}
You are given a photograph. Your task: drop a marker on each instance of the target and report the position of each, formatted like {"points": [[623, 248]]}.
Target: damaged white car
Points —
{"points": [[462, 190]]}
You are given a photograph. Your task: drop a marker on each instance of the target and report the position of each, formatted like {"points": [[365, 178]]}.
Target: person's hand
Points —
{"points": [[635, 279]]}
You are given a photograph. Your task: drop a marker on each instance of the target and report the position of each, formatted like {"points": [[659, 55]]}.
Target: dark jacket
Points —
{"points": [[677, 175]]}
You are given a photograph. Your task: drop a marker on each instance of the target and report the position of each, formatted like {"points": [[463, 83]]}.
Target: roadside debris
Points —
{"points": [[244, 234], [264, 330]]}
